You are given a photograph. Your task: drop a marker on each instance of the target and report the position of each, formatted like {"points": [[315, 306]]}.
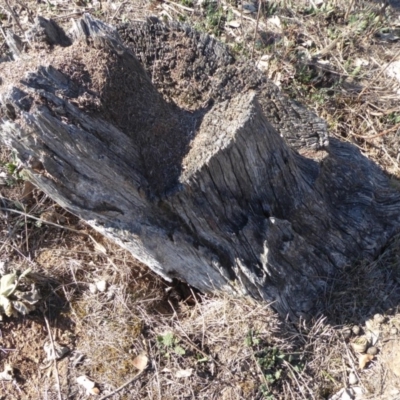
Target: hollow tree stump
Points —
{"points": [[193, 161]]}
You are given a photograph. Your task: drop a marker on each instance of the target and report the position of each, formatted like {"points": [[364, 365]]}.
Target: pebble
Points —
{"points": [[356, 330], [393, 330], [346, 333], [379, 318], [353, 380], [372, 350], [93, 288], [101, 286]]}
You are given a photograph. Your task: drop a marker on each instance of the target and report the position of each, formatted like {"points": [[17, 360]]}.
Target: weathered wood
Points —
{"points": [[194, 162]]}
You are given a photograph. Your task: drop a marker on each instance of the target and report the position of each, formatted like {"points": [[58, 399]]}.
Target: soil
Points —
{"points": [[228, 348]]}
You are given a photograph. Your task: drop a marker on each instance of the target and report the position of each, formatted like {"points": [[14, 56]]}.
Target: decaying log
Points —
{"points": [[193, 161]]}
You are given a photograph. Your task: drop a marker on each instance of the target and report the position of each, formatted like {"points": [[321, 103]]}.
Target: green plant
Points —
{"points": [[214, 19], [12, 169], [187, 3], [325, 9], [394, 118], [272, 362], [251, 338], [13, 300], [304, 74], [168, 342]]}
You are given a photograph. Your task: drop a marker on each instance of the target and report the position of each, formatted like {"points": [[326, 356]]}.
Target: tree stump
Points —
{"points": [[192, 160]]}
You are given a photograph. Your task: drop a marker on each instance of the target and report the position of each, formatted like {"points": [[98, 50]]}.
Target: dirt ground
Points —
{"points": [[100, 309]]}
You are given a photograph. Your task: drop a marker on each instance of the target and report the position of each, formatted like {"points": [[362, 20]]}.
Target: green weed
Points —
{"points": [[168, 342], [272, 362]]}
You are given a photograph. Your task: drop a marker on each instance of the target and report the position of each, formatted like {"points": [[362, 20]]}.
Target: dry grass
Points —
{"points": [[331, 55]]}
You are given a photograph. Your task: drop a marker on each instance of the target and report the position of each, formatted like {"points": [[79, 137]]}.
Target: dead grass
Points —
{"points": [[331, 55]]}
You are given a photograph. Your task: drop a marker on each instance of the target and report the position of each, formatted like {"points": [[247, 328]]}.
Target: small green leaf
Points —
{"points": [[25, 273], [166, 340], [179, 350], [7, 306], [8, 284]]}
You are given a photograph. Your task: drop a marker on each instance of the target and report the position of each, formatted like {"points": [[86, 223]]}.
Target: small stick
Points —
{"points": [[55, 361], [256, 30], [349, 9], [123, 386], [13, 15], [393, 128], [79, 13], [41, 220], [3, 33], [117, 12], [240, 14], [380, 73], [179, 5], [48, 223]]}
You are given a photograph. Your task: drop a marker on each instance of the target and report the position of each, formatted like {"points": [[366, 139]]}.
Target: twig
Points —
{"points": [[48, 223], [156, 374], [256, 30], [393, 128], [353, 366], [331, 46], [31, 14], [179, 5], [79, 13], [379, 74], [41, 220], [293, 373], [240, 14], [55, 360], [192, 345], [258, 367], [15, 18], [119, 7], [3, 33], [169, 7], [349, 10], [123, 386]]}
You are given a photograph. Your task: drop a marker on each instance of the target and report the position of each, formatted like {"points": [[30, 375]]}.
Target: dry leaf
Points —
{"points": [[95, 391], [89, 385], [52, 216], [275, 20], [8, 373], [27, 193], [57, 353], [360, 344], [364, 360], [100, 248], [184, 373], [140, 362], [93, 288], [101, 286], [234, 24]]}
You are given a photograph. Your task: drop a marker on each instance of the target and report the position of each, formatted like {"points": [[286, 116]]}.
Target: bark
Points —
{"points": [[162, 141]]}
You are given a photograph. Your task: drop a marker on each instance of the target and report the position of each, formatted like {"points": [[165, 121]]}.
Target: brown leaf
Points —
{"points": [[184, 373], [88, 384], [140, 362], [364, 360], [27, 193], [95, 391], [8, 373]]}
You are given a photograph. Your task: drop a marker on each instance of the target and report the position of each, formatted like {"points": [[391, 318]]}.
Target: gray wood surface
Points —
{"points": [[162, 141]]}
